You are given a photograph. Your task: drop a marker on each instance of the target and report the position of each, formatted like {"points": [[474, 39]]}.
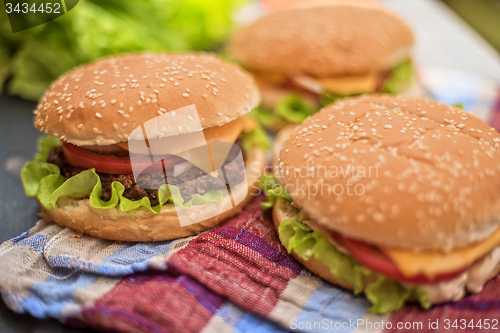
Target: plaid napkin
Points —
{"points": [[234, 278]]}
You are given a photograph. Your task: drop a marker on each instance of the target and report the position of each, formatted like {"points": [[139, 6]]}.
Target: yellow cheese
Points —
{"points": [[226, 133], [193, 146], [435, 263], [352, 84]]}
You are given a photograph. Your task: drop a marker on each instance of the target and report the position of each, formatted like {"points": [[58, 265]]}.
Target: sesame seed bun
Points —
{"points": [[103, 102], [396, 172], [143, 226], [324, 41]]}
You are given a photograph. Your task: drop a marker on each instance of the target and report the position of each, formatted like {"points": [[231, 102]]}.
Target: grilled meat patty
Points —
{"points": [[190, 182]]}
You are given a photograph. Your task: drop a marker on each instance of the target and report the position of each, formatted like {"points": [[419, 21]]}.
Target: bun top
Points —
{"points": [[396, 172], [103, 102], [324, 41]]}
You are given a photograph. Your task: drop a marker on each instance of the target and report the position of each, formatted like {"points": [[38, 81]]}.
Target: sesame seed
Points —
{"points": [[115, 126], [190, 118], [124, 124], [185, 95], [172, 114], [176, 84], [98, 115], [96, 130], [219, 114]]}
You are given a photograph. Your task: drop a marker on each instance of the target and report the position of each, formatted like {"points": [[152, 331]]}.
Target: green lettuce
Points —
{"points": [[256, 137], [293, 108], [399, 78], [44, 181], [386, 295], [34, 57], [272, 189]]}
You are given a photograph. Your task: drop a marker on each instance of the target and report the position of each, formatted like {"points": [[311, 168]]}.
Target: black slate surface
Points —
{"points": [[18, 213]]}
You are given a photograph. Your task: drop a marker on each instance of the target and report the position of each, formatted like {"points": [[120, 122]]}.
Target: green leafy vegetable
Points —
{"points": [[272, 189], [256, 137], [44, 181], [264, 117], [385, 294], [96, 28], [329, 98], [293, 109], [400, 77]]}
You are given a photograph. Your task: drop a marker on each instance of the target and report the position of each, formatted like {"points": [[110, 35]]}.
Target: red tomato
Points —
{"points": [[374, 259], [107, 163]]}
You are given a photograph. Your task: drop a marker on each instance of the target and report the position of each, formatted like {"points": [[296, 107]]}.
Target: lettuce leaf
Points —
{"points": [[272, 189], [255, 137], [401, 75], [385, 294], [44, 181], [264, 117], [293, 109], [95, 28]]}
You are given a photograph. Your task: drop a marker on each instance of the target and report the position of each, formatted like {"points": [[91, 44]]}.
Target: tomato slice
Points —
{"points": [[108, 163], [374, 259]]}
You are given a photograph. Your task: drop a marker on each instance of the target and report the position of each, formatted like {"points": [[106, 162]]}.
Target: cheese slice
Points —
{"points": [[342, 85], [352, 84], [435, 263], [193, 146]]}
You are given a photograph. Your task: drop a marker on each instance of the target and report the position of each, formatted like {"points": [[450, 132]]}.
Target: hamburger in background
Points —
{"points": [[394, 197], [91, 174], [306, 57]]}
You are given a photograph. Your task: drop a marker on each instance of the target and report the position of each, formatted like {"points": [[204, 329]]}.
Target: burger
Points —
{"points": [[125, 152], [393, 197], [306, 57]]}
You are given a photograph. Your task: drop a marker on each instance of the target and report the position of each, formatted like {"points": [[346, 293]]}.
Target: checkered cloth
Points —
{"points": [[234, 278]]}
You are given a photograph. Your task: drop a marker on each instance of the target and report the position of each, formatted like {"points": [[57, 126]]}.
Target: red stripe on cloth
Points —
{"points": [[476, 307], [495, 114], [248, 270], [155, 302]]}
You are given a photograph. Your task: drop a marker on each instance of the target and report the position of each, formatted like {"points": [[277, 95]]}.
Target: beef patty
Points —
{"points": [[190, 182]]}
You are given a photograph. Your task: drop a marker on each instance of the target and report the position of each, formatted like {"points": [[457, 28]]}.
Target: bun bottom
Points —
{"points": [[143, 226], [283, 210]]}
